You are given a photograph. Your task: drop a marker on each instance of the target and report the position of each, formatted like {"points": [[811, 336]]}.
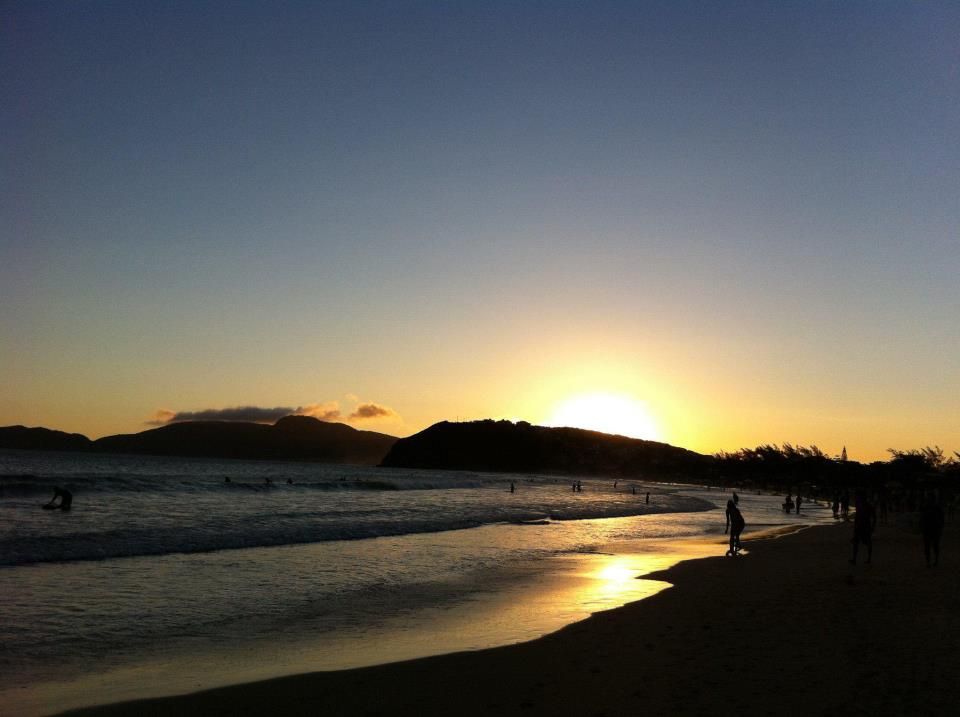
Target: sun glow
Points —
{"points": [[607, 412]]}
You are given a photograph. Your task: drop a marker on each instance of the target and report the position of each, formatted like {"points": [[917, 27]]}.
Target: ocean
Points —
{"points": [[171, 575]]}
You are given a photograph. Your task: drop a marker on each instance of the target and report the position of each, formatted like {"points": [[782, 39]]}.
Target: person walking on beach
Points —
{"points": [[931, 525], [864, 522], [513, 488]]}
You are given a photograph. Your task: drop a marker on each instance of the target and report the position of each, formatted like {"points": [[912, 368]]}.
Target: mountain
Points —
{"points": [[42, 439], [293, 438], [523, 448]]}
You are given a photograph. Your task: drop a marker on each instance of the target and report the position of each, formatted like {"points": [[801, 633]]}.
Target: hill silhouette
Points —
{"points": [[42, 439], [293, 438], [523, 448]]}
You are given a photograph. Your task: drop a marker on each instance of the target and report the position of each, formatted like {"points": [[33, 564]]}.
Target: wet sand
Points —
{"points": [[791, 628]]}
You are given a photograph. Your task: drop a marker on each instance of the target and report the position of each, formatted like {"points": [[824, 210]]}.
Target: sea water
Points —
{"points": [[175, 574]]}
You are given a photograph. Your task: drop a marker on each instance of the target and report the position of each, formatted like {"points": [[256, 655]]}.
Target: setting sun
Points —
{"points": [[606, 412]]}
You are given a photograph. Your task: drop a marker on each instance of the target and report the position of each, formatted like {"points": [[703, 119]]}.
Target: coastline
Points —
{"points": [[788, 628]]}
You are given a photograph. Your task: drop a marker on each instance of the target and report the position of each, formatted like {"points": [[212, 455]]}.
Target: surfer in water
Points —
{"points": [[65, 496]]}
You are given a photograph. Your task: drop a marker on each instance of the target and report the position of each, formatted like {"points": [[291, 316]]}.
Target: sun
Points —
{"points": [[606, 412]]}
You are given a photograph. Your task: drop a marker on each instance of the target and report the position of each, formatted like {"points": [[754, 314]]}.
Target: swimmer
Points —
{"points": [[65, 496]]}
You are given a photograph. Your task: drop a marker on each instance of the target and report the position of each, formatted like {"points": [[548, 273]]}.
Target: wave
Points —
{"points": [[289, 528], [33, 485]]}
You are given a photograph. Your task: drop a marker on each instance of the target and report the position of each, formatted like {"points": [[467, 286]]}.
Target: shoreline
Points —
{"points": [[789, 628]]}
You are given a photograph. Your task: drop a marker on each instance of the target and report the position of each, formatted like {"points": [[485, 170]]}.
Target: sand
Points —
{"points": [[790, 628]]}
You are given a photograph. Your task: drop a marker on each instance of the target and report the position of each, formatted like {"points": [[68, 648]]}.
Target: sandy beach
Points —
{"points": [[790, 628]]}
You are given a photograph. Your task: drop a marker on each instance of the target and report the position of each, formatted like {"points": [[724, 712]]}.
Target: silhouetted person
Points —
{"points": [[615, 485], [836, 505], [226, 479], [845, 505], [931, 525], [647, 500], [65, 496], [788, 503], [736, 498], [864, 522], [633, 489], [731, 513], [736, 524], [799, 503], [512, 487]]}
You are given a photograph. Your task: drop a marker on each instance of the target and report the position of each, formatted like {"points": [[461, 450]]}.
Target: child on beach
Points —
{"points": [[735, 524]]}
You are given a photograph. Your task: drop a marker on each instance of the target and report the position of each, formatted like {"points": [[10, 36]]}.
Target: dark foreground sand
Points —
{"points": [[789, 629]]}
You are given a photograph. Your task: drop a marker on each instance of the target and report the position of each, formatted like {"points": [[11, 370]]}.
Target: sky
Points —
{"points": [[741, 219]]}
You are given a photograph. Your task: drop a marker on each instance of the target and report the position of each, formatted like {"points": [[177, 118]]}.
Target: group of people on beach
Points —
{"points": [[789, 504], [932, 520]]}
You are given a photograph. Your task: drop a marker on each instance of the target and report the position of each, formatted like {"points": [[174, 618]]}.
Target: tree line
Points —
{"points": [[809, 470]]}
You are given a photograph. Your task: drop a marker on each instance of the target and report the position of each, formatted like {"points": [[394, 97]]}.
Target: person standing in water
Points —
{"points": [[65, 496]]}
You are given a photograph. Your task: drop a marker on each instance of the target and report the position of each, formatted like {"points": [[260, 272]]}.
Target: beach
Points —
{"points": [[224, 583], [789, 628]]}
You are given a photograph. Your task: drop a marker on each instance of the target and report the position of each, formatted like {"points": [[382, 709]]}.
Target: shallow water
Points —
{"points": [[80, 631]]}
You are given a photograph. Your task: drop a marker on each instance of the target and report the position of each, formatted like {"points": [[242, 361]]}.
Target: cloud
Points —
{"points": [[370, 410], [327, 411], [251, 414], [162, 417]]}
